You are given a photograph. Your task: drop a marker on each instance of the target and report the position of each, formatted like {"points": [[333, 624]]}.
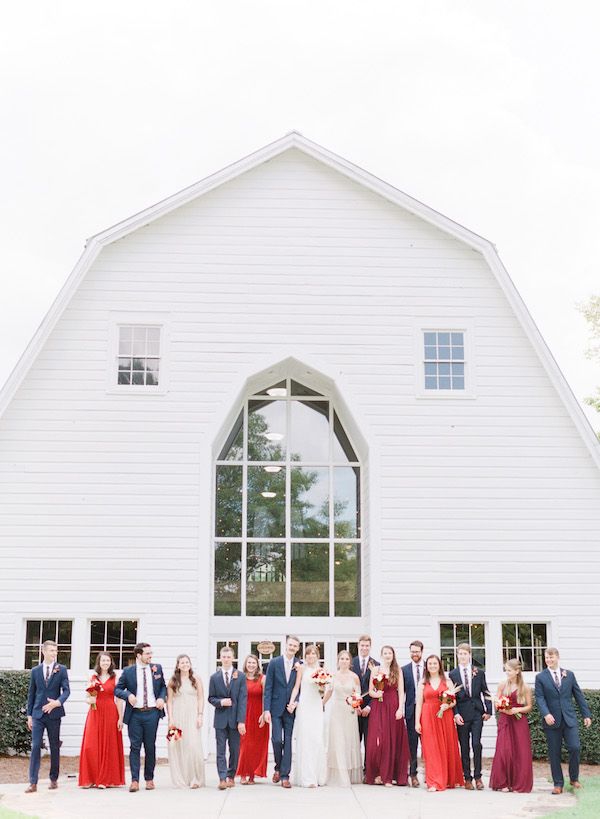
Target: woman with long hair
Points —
{"points": [[185, 707], [102, 764], [439, 738], [344, 767], [254, 745], [388, 755], [512, 768], [310, 764]]}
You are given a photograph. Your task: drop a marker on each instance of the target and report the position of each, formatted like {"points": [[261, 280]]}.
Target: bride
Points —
{"points": [[310, 762]]}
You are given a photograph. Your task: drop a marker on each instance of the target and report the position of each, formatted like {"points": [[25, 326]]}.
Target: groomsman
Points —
{"points": [[413, 674], [227, 692], [279, 684], [362, 666], [473, 708], [555, 690], [48, 691], [144, 690]]}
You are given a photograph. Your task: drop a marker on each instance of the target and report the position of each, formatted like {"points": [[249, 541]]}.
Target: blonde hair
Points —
{"points": [[312, 649], [340, 655], [522, 687]]}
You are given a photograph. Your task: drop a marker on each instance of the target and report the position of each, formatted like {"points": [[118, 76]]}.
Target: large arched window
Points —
{"points": [[287, 510]]}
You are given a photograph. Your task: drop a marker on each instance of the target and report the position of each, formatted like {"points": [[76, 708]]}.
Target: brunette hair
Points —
{"points": [[111, 668], [292, 637], [426, 674], [258, 668], [521, 685], [416, 643], [311, 648], [394, 674], [139, 648], [364, 638], [175, 681]]}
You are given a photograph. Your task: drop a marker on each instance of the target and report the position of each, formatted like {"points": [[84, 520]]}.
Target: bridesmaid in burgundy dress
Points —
{"points": [[254, 744], [512, 768], [387, 756], [102, 763]]}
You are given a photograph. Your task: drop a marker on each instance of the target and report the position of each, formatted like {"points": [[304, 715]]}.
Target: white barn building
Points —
{"points": [[291, 398]]}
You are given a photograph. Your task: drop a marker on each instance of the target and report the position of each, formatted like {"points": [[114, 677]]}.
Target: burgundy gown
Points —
{"points": [[102, 761], [387, 753], [512, 766]]}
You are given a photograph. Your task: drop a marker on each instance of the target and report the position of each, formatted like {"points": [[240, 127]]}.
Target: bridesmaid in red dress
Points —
{"points": [[387, 756], [254, 745], [512, 768], [439, 738], [102, 764]]}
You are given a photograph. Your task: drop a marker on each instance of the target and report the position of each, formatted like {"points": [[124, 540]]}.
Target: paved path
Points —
{"points": [[267, 801]]}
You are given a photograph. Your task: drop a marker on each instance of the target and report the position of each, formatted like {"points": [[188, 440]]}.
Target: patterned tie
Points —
{"points": [[227, 679], [364, 665], [47, 676], [467, 688], [145, 700], [556, 680], [418, 673]]}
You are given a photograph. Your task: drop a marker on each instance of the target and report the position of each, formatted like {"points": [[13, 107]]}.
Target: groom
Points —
{"points": [[48, 690], [281, 678], [555, 690], [143, 688]]}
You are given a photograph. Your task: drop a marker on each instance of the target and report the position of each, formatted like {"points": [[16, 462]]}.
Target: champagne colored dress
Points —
{"points": [[344, 766], [186, 756]]}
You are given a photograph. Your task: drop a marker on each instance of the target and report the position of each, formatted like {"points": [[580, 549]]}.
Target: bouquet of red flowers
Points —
{"points": [[447, 699], [379, 681], [503, 705], [354, 700], [93, 689], [174, 734], [322, 678]]}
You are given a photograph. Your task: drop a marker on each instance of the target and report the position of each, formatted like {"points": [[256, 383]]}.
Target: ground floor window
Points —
{"points": [[37, 631], [452, 634], [117, 637], [526, 642]]}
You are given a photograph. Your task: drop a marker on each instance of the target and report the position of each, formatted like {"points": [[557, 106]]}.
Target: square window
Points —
{"points": [[525, 642], [37, 631], [452, 634], [109, 636]]}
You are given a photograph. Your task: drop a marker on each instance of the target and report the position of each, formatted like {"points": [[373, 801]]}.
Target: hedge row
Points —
{"points": [[14, 736], [590, 737]]}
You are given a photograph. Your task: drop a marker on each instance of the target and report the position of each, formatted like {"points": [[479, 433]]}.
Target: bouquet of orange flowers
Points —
{"points": [[503, 705], [174, 734], [447, 699], [354, 700], [93, 689], [322, 678]]}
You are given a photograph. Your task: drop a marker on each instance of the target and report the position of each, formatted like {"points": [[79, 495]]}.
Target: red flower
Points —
{"points": [[154, 669]]}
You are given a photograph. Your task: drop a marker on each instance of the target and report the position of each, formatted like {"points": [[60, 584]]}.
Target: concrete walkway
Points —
{"points": [[269, 801]]}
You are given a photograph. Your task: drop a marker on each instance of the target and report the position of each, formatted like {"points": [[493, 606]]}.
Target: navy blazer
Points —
{"points": [[39, 693], [559, 702], [409, 690], [128, 685], [479, 702], [364, 681], [278, 690], [217, 690]]}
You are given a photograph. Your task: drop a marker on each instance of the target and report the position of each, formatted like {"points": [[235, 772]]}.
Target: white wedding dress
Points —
{"points": [[309, 766]]}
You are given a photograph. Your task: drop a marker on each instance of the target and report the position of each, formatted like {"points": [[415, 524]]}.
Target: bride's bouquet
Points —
{"points": [[322, 679]]}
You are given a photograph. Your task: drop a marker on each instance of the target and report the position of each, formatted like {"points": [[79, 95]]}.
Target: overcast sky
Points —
{"points": [[486, 111]]}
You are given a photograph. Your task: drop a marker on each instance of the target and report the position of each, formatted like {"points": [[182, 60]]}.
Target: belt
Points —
{"points": [[147, 708]]}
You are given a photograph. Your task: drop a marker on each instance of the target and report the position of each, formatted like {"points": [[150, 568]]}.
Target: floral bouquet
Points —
{"points": [[503, 705], [93, 689], [447, 699], [379, 681], [322, 678], [354, 700], [174, 734]]}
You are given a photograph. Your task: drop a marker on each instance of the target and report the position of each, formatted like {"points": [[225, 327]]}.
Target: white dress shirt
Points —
{"points": [[289, 665], [228, 671], [140, 670]]}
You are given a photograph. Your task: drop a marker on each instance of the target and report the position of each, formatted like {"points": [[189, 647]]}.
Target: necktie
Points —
{"points": [[47, 675], [364, 665], [467, 688], [145, 701], [227, 679], [556, 680], [418, 673]]}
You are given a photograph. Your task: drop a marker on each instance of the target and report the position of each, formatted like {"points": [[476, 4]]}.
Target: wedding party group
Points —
{"points": [[368, 702]]}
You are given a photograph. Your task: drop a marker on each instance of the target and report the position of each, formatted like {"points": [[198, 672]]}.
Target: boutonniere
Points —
{"points": [[56, 669], [154, 669], [234, 676], [563, 673], [371, 665], [474, 671], [296, 666]]}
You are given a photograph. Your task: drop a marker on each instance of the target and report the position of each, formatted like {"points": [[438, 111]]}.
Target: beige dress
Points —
{"points": [[344, 766], [186, 756]]}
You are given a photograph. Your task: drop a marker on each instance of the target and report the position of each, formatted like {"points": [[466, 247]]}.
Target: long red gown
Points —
{"points": [[387, 754], [439, 742], [254, 745], [512, 766], [102, 761]]}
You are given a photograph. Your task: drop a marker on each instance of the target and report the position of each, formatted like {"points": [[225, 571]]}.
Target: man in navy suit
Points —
{"points": [[473, 708], [48, 691], [281, 678], [228, 694], [362, 666], [143, 688], [555, 690], [413, 674]]}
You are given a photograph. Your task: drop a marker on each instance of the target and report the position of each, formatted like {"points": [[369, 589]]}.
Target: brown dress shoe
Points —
{"points": [[31, 789], [556, 790], [286, 783], [469, 785], [575, 784], [134, 787], [222, 785], [230, 782], [479, 785], [414, 782], [276, 777], [53, 785], [149, 784]]}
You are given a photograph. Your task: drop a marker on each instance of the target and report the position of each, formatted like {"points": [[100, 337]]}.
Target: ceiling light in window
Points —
{"points": [[269, 494], [277, 392], [272, 468], [274, 436]]}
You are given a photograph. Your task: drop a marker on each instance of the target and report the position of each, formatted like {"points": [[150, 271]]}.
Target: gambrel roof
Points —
{"points": [[294, 140]]}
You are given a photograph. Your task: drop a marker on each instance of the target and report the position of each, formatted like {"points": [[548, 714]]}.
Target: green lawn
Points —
{"points": [[11, 814], [588, 802]]}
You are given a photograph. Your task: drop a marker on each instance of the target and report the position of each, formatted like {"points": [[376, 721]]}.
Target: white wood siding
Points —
{"points": [[293, 259]]}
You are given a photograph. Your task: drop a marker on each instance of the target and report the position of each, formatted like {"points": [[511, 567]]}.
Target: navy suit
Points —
{"points": [[40, 692], [363, 722], [471, 708], [278, 692], [558, 701], [142, 724], [409, 714], [227, 718]]}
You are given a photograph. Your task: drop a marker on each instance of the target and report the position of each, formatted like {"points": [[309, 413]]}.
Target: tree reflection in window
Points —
{"points": [[287, 510]]}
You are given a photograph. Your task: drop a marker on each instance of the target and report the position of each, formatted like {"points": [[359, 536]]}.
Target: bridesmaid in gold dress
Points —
{"points": [[185, 704], [344, 766]]}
